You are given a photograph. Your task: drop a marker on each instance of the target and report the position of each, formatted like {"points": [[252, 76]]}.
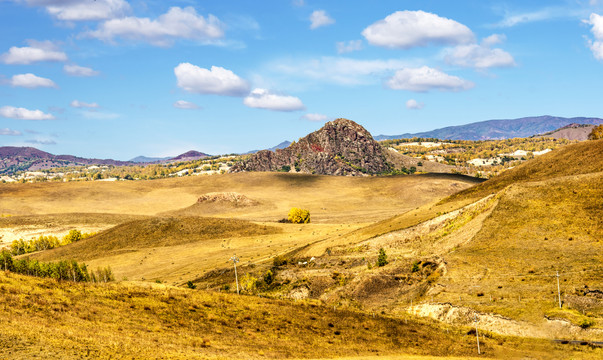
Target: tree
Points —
{"points": [[298, 216], [382, 258], [597, 133], [73, 236]]}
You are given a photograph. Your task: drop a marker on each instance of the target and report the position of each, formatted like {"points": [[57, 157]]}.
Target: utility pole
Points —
{"points": [[235, 260], [477, 336], [558, 290]]}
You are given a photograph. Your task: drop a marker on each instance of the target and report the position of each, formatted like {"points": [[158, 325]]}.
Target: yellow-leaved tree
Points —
{"points": [[597, 133], [298, 216]]}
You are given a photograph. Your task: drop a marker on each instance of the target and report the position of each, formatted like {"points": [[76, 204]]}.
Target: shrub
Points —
{"points": [[73, 236], [279, 261], [191, 285], [586, 323], [298, 216], [268, 277], [597, 133], [415, 267], [382, 258]]}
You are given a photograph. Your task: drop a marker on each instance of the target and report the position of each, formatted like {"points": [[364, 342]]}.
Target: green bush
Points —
{"points": [[382, 258], [298, 216], [415, 267]]}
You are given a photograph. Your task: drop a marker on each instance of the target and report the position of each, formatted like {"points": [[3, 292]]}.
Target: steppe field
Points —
{"points": [[460, 253]]}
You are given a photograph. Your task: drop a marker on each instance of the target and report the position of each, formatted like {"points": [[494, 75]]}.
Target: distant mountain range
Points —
{"points": [[13, 159], [498, 129]]}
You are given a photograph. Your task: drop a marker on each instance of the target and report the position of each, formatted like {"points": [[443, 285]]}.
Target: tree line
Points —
{"points": [[69, 270], [45, 242]]}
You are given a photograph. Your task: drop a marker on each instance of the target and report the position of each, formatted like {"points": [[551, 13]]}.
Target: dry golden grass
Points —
{"points": [[329, 198], [580, 158], [62, 320], [535, 230], [156, 232]]}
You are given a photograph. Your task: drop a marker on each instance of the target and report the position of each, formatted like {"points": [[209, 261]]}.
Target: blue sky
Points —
{"points": [[117, 79]]}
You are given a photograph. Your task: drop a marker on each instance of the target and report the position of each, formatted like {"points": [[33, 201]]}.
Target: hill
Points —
{"points": [[341, 147], [13, 159], [580, 158], [156, 232], [281, 145], [498, 129], [43, 317], [570, 132]]}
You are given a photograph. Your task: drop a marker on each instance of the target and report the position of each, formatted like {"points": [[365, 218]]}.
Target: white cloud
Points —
{"points": [[10, 132], [19, 113], [413, 104], [80, 104], [494, 39], [76, 70], [36, 51], [315, 117], [31, 81], [346, 47], [480, 56], [74, 10], [320, 18], [298, 3], [217, 80], [338, 70], [596, 46], [41, 142], [181, 104], [177, 23], [263, 99], [424, 79], [95, 115], [407, 29]]}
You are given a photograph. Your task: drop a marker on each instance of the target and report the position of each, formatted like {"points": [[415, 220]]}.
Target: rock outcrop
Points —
{"points": [[341, 147]]}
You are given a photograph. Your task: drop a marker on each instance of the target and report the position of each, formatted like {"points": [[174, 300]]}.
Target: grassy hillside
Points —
{"points": [[581, 158], [64, 320], [536, 230], [156, 232]]}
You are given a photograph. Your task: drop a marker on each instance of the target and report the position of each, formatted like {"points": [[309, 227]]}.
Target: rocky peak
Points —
{"points": [[340, 147]]}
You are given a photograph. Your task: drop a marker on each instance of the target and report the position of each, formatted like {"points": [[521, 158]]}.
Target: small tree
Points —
{"points": [[382, 258], [73, 236], [298, 216], [597, 133]]}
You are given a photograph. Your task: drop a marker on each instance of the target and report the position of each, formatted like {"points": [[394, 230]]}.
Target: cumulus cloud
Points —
{"points": [[10, 132], [80, 104], [349, 46], [407, 29], [36, 51], [480, 56], [264, 99], [177, 23], [31, 81], [182, 104], [81, 71], [424, 79], [596, 46], [338, 70], [413, 104], [217, 80], [315, 117], [320, 18], [20, 113], [74, 10]]}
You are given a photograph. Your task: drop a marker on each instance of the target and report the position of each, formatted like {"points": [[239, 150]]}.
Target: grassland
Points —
{"points": [[61, 320], [488, 249]]}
